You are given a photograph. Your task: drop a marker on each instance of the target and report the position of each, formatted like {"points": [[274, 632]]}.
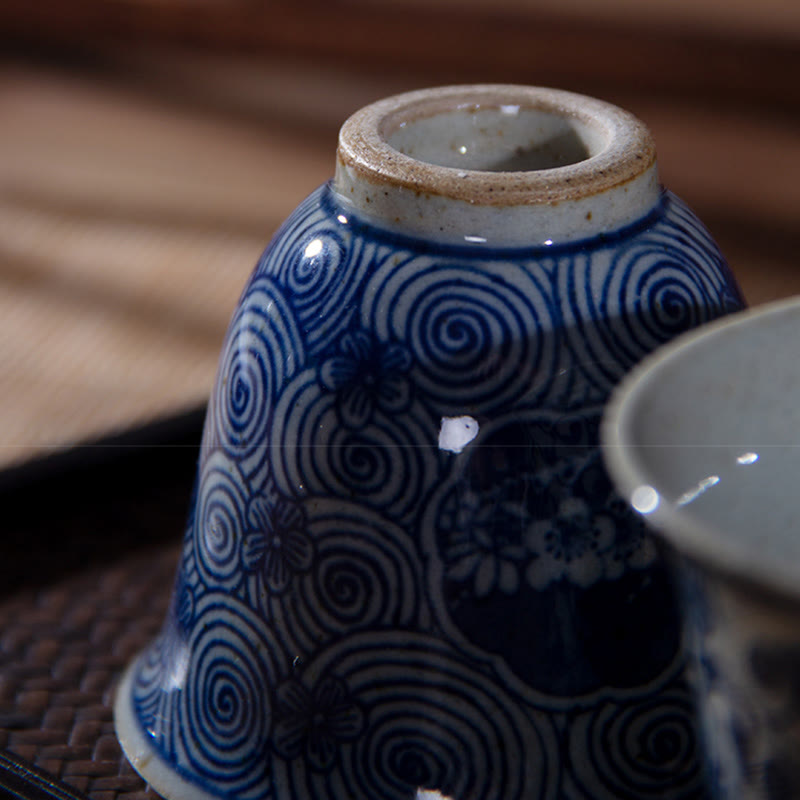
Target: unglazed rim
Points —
{"points": [[689, 536], [628, 153], [614, 186]]}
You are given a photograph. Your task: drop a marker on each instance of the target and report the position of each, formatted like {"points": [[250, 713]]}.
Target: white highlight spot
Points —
{"points": [[511, 110], [548, 242], [431, 794], [342, 218], [457, 432], [701, 488], [462, 149], [475, 239], [176, 676], [313, 248], [747, 458], [645, 499]]}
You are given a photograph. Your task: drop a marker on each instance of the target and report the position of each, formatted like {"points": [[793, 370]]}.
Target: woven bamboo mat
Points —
{"points": [[88, 560], [61, 651]]}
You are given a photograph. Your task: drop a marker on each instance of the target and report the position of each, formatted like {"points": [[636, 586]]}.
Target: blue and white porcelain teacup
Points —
{"points": [[703, 438], [405, 569]]}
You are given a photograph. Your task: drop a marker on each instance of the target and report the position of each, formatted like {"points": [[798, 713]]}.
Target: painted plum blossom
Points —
{"points": [[484, 546], [276, 544], [314, 722], [572, 544], [559, 520], [367, 376]]}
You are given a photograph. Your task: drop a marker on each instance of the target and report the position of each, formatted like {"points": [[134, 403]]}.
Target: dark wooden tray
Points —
{"points": [[90, 550]]}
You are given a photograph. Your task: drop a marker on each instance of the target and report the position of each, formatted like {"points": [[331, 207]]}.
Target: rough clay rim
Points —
{"points": [[686, 534], [630, 150]]}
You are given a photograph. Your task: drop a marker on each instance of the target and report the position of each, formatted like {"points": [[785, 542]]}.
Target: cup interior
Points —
{"points": [[510, 138], [704, 440]]}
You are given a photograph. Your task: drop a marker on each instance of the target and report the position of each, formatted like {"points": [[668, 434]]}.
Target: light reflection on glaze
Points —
{"points": [[702, 487], [313, 248], [645, 499]]}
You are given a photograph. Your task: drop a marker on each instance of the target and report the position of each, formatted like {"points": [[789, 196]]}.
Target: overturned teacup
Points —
{"points": [[405, 571], [703, 439]]}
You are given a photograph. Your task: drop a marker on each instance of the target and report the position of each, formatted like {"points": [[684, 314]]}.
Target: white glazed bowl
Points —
{"points": [[703, 438]]}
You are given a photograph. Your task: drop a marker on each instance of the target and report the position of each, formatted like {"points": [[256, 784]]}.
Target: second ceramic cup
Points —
{"points": [[704, 439]]}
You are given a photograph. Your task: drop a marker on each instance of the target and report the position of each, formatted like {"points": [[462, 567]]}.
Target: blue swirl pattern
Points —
{"points": [[219, 522], [388, 463], [321, 265], [619, 304], [431, 721], [226, 714], [626, 751], [201, 699], [362, 611], [154, 702], [469, 327], [262, 350], [367, 574]]}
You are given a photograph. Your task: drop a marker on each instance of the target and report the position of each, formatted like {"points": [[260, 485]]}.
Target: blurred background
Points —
{"points": [[149, 149]]}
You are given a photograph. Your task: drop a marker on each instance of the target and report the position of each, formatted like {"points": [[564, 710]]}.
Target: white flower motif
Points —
{"points": [[485, 548], [367, 376], [571, 545]]}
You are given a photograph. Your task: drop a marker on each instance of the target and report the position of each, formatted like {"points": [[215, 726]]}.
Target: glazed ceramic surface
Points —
{"points": [[704, 440], [405, 568]]}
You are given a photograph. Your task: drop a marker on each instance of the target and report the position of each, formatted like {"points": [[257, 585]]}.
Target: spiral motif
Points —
{"points": [[309, 273], [620, 303], [308, 215], [690, 232], [432, 722], [366, 574], [669, 291], [482, 337], [386, 463], [225, 707], [219, 522], [639, 750], [320, 265], [262, 350], [364, 459]]}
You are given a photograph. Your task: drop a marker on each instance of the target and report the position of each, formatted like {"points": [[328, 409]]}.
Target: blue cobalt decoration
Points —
{"points": [[406, 569]]}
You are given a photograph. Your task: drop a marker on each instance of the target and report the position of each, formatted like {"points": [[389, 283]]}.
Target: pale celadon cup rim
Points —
{"points": [[690, 536]]}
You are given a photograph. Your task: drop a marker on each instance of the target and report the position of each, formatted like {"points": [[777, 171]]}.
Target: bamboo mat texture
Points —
{"points": [[61, 651], [138, 189]]}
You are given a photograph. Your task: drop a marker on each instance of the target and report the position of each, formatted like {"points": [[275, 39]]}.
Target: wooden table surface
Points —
{"points": [[139, 185]]}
